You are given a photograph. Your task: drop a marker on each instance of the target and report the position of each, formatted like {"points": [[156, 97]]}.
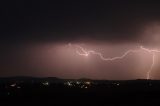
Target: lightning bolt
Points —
{"points": [[152, 52], [87, 53], [150, 70], [83, 52]]}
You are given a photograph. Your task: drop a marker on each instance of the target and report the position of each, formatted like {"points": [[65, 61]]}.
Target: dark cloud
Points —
{"points": [[113, 20]]}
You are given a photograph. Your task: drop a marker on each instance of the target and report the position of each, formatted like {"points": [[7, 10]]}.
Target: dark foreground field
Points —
{"points": [[27, 91]]}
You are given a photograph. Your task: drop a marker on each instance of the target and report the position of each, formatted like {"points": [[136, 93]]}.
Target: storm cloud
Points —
{"points": [[34, 36]]}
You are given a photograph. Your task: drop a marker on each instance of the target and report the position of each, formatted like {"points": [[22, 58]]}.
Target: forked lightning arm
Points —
{"points": [[153, 59]]}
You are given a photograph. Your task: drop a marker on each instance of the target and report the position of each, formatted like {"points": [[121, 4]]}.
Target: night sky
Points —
{"points": [[35, 38]]}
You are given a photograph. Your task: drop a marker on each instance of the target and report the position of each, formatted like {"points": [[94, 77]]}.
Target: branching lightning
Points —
{"points": [[87, 53], [83, 52]]}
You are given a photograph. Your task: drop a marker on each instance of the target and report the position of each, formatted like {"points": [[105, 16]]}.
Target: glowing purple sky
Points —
{"points": [[61, 60]]}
